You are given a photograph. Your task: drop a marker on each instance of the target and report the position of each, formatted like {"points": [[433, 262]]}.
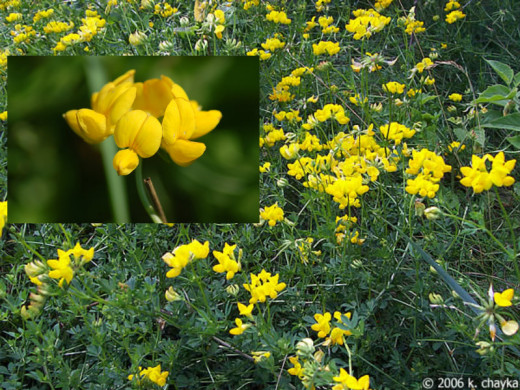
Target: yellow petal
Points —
{"points": [[125, 161], [154, 95], [121, 104], [205, 121], [128, 127], [148, 139], [171, 123], [184, 152], [178, 121], [88, 124]]}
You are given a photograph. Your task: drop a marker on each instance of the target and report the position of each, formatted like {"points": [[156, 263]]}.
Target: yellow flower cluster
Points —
{"points": [[227, 262], [129, 111], [332, 335], [454, 12], [183, 255], [281, 91], [13, 17], [429, 169], [344, 230], [63, 268], [381, 4], [44, 14], [272, 214], [325, 47], [366, 23], [262, 286], [327, 112], [91, 25], [164, 9], [57, 27], [22, 33], [326, 25], [396, 132], [393, 87], [272, 136], [152, 374], [455, 97], [278, 17], [478, 177], [347, 381]]}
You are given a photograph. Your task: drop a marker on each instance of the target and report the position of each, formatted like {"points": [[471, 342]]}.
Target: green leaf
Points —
{"points": [[515, 141], [496, 94], [503, 70], [516, 80], [509, 122]]}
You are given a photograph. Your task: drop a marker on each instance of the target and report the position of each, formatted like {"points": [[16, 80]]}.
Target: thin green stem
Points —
{"points": [[96, 78]]}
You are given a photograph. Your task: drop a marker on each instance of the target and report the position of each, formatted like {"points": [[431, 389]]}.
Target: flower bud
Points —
{"points": [[435, 299], [432, 213], [172, 295], [305, 347]]}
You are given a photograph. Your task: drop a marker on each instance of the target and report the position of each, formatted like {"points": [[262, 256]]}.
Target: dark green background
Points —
{"points": [[56, 177]]}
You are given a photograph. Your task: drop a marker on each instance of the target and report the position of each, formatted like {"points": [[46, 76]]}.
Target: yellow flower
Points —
{"points": [[153, 374], [13, 17], [183, 255], [226, 261], [183, 121], [455, 97], [108, 106], [245, 310], [141, 133], [278, 17], [272, 214], [453, 16], [3, 215], [349, 382], [393, 87], [504, 298], [240, 327], [322, 325], [478, 177], [323, 47], [61, 268]]}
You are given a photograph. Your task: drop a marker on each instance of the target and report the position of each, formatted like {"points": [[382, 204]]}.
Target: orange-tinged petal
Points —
{"points": [[184, 152], [125, 161], [154, 95]]}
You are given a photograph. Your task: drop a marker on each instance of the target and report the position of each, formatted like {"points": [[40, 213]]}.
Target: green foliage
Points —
{"points": [[405, 277]]}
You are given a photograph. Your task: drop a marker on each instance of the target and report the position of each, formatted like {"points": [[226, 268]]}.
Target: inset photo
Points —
{"points": [[133, 139]]}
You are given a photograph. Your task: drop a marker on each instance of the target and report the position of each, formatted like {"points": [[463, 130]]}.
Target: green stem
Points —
{"points": [[139, 182], [96, 78]]}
